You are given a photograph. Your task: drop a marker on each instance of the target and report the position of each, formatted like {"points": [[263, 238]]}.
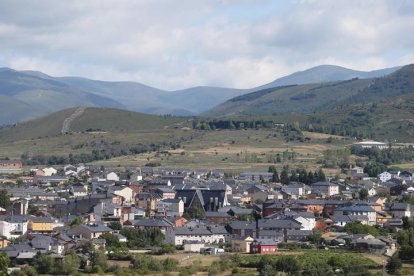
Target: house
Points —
{"points": [[298, 235], [10, 166], [171, 207], [49, 171], [356, 173], [294, 190], [359, 210], [125, 192], [13, 227], [148, 202], [257, 176], [218, 217], [406, 175], [208, 200], [52, 180], [112, 176], [384, 177], [40, 224], [370, 145], [90, 231], [204, 234], [400, 210], [241, 245], [262, 246], [194, 246], [343, 220], [325, 188], [78, 191], [47, 244], [4, 242], [165, 193], [177, 221], [163, 225], [370, 244]]}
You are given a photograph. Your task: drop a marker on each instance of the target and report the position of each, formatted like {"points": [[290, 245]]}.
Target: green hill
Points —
{"points": [[310, 98], [389, 120], [92, 119]]}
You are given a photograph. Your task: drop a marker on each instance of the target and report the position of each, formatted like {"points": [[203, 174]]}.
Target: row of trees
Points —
{"points": [[386, 156], [95, 155], [231, 124], [298, 175]]}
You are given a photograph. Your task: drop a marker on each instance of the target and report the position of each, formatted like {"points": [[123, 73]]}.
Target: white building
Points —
{"points": [[13, 227], [112, 176], [201, 234], [384, 177], [49, 171], [326, 188], [295, 190], [371, 144]]}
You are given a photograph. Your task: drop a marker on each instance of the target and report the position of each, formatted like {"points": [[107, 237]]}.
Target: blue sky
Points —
{"points": [[179, 44]]}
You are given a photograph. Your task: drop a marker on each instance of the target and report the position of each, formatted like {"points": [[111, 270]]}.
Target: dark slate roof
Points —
{"points": [[203, 194], [278, 224], [216, 214], [242, 225], [266, 242], [323, 184], [41, 219], [96, 227], [152, 223], [356, 208], [201, 230]]}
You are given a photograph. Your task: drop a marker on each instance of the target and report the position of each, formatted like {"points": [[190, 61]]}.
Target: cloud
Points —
{"points": [[178, 44]]}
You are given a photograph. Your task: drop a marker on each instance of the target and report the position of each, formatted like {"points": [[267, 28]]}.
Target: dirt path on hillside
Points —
{"points": [[66, 123]]}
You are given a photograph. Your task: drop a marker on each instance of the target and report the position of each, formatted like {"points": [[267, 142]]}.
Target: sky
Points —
{"points": [[184, 43]]}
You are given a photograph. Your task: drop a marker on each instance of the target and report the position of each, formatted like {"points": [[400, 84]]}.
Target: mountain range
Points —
{"points": [[317, 97], [26, 95]]}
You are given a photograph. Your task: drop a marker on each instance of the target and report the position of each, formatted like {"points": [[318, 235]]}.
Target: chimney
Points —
{"points": [[257, 227]]}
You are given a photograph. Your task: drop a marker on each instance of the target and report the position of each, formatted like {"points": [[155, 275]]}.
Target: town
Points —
{"points": [[99, 213]]}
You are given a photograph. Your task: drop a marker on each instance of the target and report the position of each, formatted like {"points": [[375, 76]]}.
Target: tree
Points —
{"points": [[111, 240], [288, 264], [4, 199], [77, 221], [44, 264], [275, 177], [321, 175], [115, 225], [194, 213], [31, 209], [394, 263], [359, 228], [99, 260], [4, 263], [315, 237], [69, 265], [363, 194], [284, 177], [88, 247]]}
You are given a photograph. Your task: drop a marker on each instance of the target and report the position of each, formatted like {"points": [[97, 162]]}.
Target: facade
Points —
{"points": [[294, 190], [326, 188], [384, 177], [241, 245], [40, 224], [90, 231], [10, 166], [203, 234], [13, 226], [371, 144], [261, 246], [359, 210], [257, 176]]}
